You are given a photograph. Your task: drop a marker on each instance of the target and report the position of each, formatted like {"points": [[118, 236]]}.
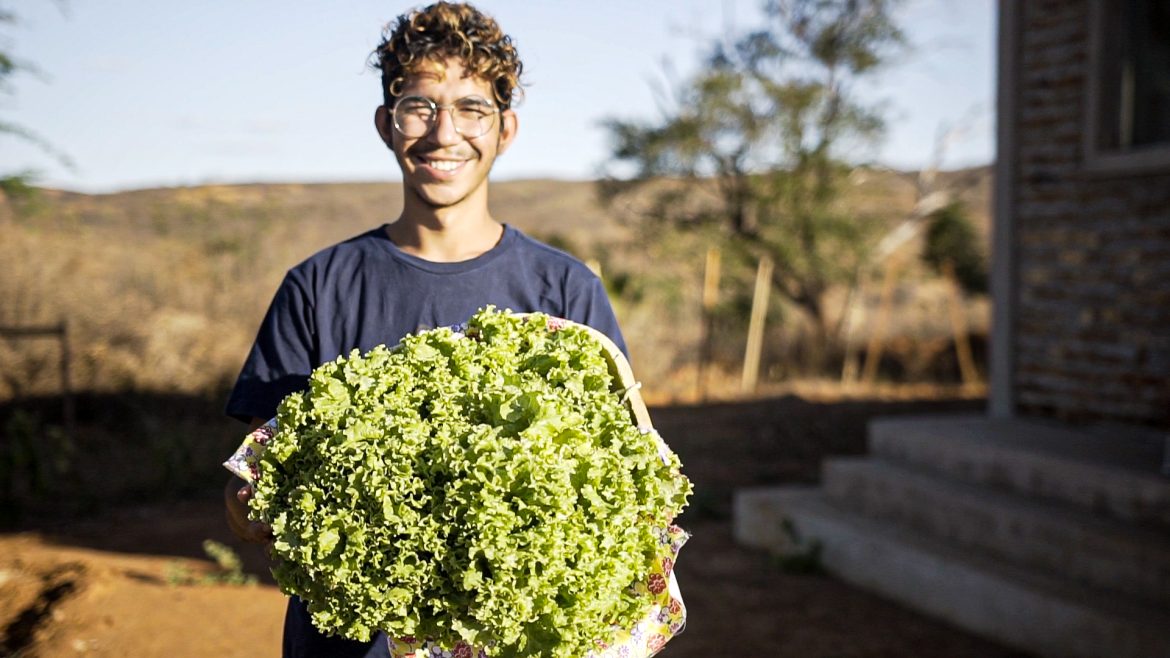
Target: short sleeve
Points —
{"points": [[589, 305], [282, 357]]}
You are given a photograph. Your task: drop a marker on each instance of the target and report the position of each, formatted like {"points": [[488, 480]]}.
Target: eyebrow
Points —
{"points": [[466, 100]]}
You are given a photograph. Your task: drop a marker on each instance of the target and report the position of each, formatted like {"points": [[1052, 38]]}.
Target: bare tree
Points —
{"points": [[753, 146]]}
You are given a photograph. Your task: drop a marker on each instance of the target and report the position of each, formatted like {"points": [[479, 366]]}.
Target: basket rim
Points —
{"points": [[619, 364]]}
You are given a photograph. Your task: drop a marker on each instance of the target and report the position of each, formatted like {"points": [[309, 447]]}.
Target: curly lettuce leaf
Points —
{"points": [[491, 489]]}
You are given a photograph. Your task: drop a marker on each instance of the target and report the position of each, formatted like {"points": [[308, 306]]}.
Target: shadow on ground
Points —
{"points": [[740, 602], [142, 473], [135, 448], [778, 440]]}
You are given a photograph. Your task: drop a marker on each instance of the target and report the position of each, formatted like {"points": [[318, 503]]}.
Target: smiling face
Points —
{"points": [[444, 169]]}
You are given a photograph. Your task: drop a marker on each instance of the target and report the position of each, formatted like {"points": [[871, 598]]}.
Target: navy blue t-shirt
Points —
{"points": [[366, 292]]}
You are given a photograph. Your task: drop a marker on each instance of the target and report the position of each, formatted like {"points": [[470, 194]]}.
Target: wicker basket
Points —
{"points": [[666, 616]]}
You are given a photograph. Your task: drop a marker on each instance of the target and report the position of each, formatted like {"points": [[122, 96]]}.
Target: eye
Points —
{"points": [[473, 108], [415, 106]]}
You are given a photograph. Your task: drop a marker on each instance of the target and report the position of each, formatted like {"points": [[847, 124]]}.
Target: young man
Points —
{"points": [[448, 79]]}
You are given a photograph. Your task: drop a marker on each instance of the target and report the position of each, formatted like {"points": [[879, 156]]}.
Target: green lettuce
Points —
{"points": [[492, 489]]}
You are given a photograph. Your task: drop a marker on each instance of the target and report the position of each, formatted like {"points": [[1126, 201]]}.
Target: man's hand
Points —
{"points": [[235, 497]]}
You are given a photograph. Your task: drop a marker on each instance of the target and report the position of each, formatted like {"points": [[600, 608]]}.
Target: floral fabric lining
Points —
{"points": [[665, 617]]}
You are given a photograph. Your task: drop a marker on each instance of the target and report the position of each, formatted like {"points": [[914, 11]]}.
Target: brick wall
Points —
{"points": [[1092, 332]]}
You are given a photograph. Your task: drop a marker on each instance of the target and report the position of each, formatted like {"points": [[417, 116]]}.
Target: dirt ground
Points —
{"points": [[126, 582]]}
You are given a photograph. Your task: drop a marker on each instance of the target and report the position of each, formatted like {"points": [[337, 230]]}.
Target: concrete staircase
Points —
{"points": [[1052, 540]]}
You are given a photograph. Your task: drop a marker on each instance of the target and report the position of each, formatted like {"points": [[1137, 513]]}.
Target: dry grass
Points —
{"points": [[164, 288]]}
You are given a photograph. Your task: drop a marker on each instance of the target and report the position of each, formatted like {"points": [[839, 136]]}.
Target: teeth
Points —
{"points": [[445, 165]]}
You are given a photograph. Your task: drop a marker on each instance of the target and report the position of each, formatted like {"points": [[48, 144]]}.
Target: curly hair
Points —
{"points": [[424, 38]]}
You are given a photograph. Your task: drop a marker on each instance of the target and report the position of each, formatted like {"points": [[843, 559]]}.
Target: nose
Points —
{"points": [[444, 131]]}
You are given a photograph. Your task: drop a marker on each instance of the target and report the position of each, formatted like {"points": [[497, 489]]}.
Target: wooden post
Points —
{"points": [[849, 362], [711, 278], [69, 408], [61, 332], [710, 300], [967, 367], [755, 341], [877, 336]]}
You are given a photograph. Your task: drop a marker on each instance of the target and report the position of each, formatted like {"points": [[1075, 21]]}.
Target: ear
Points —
{"points": [[382, 123], [509, 126]]}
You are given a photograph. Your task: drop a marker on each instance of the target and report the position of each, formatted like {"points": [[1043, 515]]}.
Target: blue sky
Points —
{"points": [[146, 93]]}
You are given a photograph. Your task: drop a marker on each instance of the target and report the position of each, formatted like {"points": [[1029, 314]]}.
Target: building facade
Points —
{"points": [[1081, 264]]}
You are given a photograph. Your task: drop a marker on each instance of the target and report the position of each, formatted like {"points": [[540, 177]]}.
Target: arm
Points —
{"points": [[235, 497], [277, 364]]}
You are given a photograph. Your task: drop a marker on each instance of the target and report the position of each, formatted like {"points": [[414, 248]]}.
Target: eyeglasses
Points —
{"points": [[415, 116]]}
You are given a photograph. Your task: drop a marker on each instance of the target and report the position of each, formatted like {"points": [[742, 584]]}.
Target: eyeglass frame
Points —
{"points": [[449, 107]]}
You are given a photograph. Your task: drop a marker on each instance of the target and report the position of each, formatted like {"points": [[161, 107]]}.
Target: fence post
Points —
{"points": [[877, 336], [710, 300], [755, 341], [61, 332], [967, 367], [69, 407]]}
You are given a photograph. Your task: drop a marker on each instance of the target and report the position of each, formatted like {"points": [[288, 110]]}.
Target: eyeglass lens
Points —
{"points": [[415, 116]]}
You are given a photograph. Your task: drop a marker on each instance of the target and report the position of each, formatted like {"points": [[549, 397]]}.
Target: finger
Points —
{"points": [[245, 493]]}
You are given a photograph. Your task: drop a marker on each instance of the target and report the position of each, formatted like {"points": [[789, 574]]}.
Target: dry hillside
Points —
{"points": [[164, 288]]}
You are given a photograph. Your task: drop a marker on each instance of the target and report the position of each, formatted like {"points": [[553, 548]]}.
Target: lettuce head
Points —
{"points": [[489, 487]]}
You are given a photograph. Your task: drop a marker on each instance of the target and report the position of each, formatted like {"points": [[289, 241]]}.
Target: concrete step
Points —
{"points": [[1110, 471], [1063, 541], [990, 598]]}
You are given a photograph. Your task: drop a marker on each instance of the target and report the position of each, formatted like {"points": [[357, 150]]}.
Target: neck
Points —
{"points": [[444, 235]]}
